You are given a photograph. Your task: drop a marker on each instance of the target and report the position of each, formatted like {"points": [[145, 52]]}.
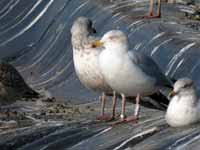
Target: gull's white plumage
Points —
{"points": [[127, 72], [85, 57], [184, 107]]}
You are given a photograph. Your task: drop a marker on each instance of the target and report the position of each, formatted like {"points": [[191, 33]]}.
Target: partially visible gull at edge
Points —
{"points": [[184, 107]]}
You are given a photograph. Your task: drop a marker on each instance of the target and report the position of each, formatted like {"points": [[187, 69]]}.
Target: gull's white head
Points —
{"points": [[82, 26], [183, 107], [114, 40], [183, 86]]}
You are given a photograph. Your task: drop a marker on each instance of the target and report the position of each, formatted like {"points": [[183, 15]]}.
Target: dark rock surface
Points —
{"points": [[35, 38]]}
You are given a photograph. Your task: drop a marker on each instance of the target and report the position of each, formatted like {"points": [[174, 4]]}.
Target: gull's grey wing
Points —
{"points": [[149, 66]]}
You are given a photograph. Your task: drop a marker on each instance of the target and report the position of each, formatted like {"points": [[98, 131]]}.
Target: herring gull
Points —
{"points": [[129, 73], [85, 57], [184, 107]]}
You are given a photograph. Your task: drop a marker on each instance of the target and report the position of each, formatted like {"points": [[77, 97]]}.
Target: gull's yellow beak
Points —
{"points": [[98, 44], [172, 94]]}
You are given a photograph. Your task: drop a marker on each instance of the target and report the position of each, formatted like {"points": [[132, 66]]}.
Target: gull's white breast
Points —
{"points": [[181, 111], [88, 71], [123, 75]]}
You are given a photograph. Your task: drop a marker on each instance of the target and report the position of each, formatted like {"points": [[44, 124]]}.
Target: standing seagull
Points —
{"points": [[85, 57], [12, 85], [184, 107], [129, 73], [158, 15]]}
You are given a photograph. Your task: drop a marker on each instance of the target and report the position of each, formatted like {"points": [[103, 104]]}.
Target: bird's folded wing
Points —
{"points": [[149, 67]]}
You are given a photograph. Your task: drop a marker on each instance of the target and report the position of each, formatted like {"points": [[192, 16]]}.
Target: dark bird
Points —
{"points": [[12, 85]]}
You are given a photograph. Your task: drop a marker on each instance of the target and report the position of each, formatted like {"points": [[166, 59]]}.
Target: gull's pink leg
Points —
{"points": [[123, 109], [123, 115], [103, 116], [151, 10], [159, 9], [114, 98], [133, 118], [103, 102]]}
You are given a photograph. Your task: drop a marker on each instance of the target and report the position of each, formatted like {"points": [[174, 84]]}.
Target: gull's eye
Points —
{"points": [[93, 46], [111, 37], [189, 84], [185, 86]]}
